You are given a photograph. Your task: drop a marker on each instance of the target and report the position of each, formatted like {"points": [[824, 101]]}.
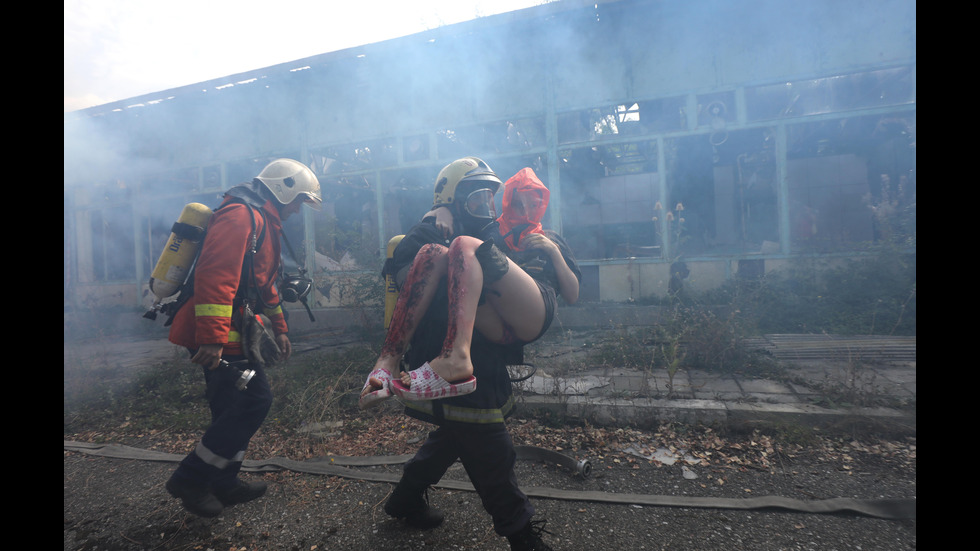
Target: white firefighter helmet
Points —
{"points": [[287, 179]]}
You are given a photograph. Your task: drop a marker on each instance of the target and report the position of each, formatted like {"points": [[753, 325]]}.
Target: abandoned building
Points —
{"points": [[731, 136]]}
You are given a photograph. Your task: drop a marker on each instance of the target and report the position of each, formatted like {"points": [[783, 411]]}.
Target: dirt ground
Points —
{"points": [[120, 504], [115, 504]]}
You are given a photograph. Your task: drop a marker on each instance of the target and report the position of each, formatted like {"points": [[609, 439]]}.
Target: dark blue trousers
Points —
{"points": [[236, 416], [487, 454]]}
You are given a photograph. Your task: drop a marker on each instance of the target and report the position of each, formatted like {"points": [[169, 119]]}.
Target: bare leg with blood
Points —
{"points": [[429, 266], [465, 283], [514, 309]]}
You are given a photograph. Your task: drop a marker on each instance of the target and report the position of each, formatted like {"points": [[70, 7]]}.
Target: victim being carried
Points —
{"points": [[503, 277]]}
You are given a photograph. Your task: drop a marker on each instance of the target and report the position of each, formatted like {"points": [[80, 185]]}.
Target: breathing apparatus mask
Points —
{"points": [[479, 204], [476, 210], [295, 288]]}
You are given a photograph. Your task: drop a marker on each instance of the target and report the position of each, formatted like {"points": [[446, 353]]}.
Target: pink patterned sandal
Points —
{"points": [[428, 385], [372, 399]]}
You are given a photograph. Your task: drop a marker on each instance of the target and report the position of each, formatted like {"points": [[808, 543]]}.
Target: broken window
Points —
{"points": [[489, 138], [408, 195], [729, 191], [345, 239], [599, 123], [837, 93], [106, 234], [850, 180], [354, 157], [170, 183], [629, 119], [347, 223], [716, 109], [415, 148], [609, 197]]}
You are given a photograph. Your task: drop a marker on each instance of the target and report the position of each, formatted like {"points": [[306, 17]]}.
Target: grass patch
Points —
{"points": [[170, 395], [318, 388], [687, 338], [310, 388]]}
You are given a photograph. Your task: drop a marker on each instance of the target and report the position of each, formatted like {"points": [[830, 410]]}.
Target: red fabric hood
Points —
{"points": [[525, 181]]}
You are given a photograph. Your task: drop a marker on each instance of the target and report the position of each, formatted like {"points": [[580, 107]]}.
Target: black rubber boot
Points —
{"points": [[411, 503], [195, 498], [241, 492], [529, 538]]}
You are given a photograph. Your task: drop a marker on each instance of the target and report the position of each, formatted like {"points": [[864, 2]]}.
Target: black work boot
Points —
{"points": [[529, 538], [411, 504], [196, 498], [241, 492]]}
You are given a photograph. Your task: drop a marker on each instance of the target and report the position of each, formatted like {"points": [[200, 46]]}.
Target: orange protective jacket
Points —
{"points": [[206, 318], [512, 225]]}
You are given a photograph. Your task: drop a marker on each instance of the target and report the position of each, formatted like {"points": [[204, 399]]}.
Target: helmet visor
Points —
{"points": [[480, 204], [313, 201]]}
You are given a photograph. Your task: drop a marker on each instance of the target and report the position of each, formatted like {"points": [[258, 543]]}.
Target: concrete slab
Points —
{"points": [[762, 386], [774, 398], [714, 387], [807, 415], [626, 384], [620, 395], [546, 384]]}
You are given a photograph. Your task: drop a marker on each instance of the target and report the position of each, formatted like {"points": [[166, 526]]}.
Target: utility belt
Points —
{"points": [[438, 412]]}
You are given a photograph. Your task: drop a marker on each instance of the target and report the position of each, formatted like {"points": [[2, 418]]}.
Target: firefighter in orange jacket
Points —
{"points": [[209, 326]]}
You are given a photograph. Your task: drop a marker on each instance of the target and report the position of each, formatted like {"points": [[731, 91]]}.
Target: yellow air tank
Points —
{"points": [[391, 290], [181, 250]]}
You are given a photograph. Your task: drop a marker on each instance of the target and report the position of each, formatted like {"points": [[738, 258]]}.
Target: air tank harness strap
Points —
{"points": [[188, 231]]}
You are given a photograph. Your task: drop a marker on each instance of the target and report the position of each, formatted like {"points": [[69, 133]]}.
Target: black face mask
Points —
{"points": [[471, 225], [295, 288], [476, 211]]}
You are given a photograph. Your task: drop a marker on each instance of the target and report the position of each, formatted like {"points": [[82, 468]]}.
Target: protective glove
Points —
{"points": [[493, 261]]}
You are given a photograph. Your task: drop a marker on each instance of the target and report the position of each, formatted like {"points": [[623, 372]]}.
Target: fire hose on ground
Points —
{"points": [[340, 466]]}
